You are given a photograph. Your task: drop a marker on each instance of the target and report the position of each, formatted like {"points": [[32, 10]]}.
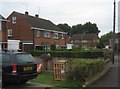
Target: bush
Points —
{"points": [[81, 69], [69, 54], [53, 47]]}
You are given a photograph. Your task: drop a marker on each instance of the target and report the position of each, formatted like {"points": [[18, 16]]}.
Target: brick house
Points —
{"points": [[117, 40], [3, 32], [85, 40], [34, 32]]}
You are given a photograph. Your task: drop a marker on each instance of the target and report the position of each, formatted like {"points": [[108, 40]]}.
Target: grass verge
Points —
{"points": [[47, 78]]}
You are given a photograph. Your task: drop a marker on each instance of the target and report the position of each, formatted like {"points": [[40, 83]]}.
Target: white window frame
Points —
{"points": [[10, 32], [14, 20], [62, 36], [38, 33], [56, 35], [47, 34]]}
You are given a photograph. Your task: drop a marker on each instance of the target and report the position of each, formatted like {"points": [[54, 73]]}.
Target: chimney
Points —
{"points": [[37, 16], [26, 13]]}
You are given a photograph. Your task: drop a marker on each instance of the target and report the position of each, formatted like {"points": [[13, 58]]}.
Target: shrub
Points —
{"points": [[69, 54], [53, 47], [81, 69]]}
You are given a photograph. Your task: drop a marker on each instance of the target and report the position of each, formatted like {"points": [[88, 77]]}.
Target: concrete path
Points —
{"points": [[110, 79]]}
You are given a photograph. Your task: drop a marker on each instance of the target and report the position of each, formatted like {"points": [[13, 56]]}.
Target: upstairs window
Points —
{"points": [[56, 35], [47, 34], [37, 33], [14, 20], [9, 32], [62, 36]]}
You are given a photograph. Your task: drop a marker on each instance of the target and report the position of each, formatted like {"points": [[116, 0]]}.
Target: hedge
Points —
{"points": [[69, 54], [82, 69]]}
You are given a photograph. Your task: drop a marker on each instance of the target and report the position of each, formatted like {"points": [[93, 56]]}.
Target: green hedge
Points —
{"points": [[69, 54], [82, 69]]}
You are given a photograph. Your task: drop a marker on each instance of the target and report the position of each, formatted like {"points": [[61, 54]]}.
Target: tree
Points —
{"points": [[105, 38], [88, 27], [65, 27], [77, 29]]}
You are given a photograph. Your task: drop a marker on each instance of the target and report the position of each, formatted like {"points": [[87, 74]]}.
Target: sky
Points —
{"points": [[72, 12], [119, 16]]}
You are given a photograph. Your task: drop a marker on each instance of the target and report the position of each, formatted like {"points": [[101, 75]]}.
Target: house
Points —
{"points": [[3, 33], [84, 40], [117, 40], [34, 32]]}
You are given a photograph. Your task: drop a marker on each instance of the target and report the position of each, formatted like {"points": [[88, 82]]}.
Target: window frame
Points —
{"points": [[47, 34], [9, 32], [56, 35], [14, 19], [38, 33], [62, 36]]}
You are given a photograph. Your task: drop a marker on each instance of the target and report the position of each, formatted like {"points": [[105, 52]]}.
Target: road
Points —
{"points": [[27, 85]]}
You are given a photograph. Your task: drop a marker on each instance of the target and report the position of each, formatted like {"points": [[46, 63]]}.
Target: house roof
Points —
{"points": [[90, 36], [39, 22], [1, 17]]}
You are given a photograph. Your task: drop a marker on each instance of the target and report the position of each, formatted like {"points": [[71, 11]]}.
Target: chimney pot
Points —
{"points": [[37, 15], [26, 13]]}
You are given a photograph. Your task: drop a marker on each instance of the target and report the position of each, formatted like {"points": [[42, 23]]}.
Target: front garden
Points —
{"points": [[81, 67]]}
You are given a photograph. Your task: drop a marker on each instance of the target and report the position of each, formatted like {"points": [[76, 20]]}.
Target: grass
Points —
{"points": [[47, 78]]}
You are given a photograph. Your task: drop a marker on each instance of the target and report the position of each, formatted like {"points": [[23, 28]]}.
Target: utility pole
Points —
{"points": [[113, 43]]}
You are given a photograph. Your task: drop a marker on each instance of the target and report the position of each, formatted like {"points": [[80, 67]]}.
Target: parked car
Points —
{"points": [[18, 67]]}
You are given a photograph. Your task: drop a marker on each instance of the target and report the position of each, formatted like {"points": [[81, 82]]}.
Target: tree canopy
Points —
{"points": [[105, 38], [65, 27], [88, 27]]}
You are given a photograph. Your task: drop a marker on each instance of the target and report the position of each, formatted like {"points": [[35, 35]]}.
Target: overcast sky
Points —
{"points": [[71, 12]]}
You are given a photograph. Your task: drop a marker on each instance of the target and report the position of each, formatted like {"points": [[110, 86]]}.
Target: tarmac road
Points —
{"points": [[30, 85], [27, 85]]}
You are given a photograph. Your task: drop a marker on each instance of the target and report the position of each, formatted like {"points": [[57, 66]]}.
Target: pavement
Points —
{"points": [[110, 79]]}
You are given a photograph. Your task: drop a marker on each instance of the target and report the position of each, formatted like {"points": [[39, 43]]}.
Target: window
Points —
{"points": [[56, 35], [47, 34], [4, 58], [37, 33], [14, 20], [62, 36], [9, 32], [24, 58]]}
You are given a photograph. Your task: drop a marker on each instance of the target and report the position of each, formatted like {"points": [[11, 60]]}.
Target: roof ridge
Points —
{"points": [[30, 15], [39, 22]]}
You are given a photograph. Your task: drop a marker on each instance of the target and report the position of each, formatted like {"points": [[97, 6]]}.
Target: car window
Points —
{"points": [[4, 58], [24, 58]]}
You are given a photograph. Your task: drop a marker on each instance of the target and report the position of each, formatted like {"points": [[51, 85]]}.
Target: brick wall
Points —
{"points": [[21, 30], [49, 41]]}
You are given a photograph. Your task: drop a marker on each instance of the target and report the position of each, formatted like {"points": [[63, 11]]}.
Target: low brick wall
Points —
{"points": [[49, 63]]}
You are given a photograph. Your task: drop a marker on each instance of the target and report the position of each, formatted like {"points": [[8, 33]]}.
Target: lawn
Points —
{"points": [[47, 78]]}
